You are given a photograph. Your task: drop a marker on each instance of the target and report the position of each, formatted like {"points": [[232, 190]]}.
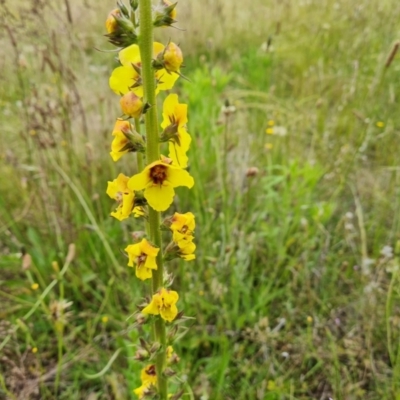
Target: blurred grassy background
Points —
{"points": [[295, 288]]}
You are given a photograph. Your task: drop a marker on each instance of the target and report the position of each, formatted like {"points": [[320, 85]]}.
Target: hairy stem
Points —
{"points": [[153, 154]]}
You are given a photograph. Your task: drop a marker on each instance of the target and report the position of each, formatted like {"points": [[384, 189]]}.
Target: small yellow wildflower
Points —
{"points": [[142, 390], [144, 255], [380, 124], [309, 319], [271, 122], [118, 190], [163, 303], [158, 181], [34, 350], [187, 252], [148, 374], [120, 141], [104, 319], [148, 377], [126, 77], [111, 22], [269, 131], [131, 105], [174, 125], [35, 286], [183, 223], [268, 146]]}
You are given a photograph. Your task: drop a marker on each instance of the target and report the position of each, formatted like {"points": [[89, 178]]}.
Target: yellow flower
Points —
{"points": [[119, 191], [187, 252], [148, 374], [271, 122], [142, 391], [172, 57], [131, 105], [182, 227], [158, 181], [174, 125], [183, 223], [127, 78], [163, 303], [104, 319], [144, 255], [269, 131], [111, 22], [34, 350], [120, 142], [126, 139], [380, 124], [35, 286]]}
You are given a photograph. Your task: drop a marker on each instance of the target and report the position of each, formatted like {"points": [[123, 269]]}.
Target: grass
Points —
{"points": [[292, 295]]}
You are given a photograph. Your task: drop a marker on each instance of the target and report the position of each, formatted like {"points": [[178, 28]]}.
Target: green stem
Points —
{"points": [[140, 166], [139, 156], [153, 154]]}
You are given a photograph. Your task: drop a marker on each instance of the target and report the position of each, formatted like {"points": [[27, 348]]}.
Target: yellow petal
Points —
{"points": [[143, 273], [181, 239], [177, 152], [169, 105], [170, 296], [122, 79], [130, 55], [142, 390], [179, 177], [127, 203], [177, 155], [116, 155], [148, 249], [159, 197], [148, 374], [169, 313], [188, 249], [139, 181], [165, 79], [181, 114], [181, 220], [157, 48], [133, 251], [152, 308], [112, 189]]}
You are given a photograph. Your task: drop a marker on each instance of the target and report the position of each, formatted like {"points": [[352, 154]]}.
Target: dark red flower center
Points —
{"points": [[158, 174]]}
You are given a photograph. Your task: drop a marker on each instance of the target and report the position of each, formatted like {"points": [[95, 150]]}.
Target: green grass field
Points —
{"points": [[295, 291]]}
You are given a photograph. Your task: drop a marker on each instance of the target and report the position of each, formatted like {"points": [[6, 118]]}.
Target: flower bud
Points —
{"points": [[111, 21], [165, 14], [131, 105], [172, 57], [120, 30]]}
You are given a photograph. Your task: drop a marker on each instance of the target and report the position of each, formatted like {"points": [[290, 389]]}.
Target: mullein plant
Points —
{"points": [[148, 68]]}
